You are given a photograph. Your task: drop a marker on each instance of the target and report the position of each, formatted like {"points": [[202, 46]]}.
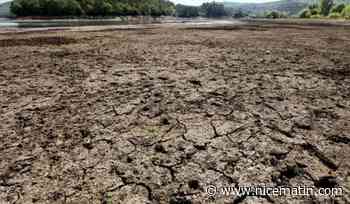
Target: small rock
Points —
{"points": [[88, 145], [326, 182], [159, 148], [292, 171], [164, 121], [303, 122], [194, 184], [195, 82], [178, 200]]}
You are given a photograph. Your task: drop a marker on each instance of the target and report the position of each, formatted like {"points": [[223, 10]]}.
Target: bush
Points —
{"points": [[72, 7], [305, 14], [338, 9], [25, 7], [346, 12], [335, 15], [187, 11], [315, 11], [326, 6], [316, 16], [275, 14], [213, 9]]}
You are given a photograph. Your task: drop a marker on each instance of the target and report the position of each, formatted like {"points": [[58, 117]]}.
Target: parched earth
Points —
{"points": [[156, 114]]}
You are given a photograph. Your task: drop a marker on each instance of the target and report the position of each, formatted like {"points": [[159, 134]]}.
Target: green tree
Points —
{"points": [[326, 6], [213, 9], [338, 8], [305, 13], [55, 7], [92, 7], [186, 11], [346, 12], [87, 6], [72, 7], [25, 7]]}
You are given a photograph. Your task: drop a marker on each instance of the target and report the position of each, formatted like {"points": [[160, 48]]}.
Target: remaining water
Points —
{"points": [[10, 23], [4, 22]]}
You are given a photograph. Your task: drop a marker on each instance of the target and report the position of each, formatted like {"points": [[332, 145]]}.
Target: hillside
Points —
{"points": [[290, 7], [5, 9]]}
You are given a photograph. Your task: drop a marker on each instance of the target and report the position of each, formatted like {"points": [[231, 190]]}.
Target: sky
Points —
{"points": [[199, 2]]}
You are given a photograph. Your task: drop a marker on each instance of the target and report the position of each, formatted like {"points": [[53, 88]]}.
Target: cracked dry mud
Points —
{"points": [[156, 114]]}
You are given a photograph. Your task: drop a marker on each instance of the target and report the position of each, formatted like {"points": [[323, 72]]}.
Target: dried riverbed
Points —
{"points": [[155, 114]]}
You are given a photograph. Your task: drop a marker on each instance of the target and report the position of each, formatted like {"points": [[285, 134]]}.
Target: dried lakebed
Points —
{"points": [[156, 114]]}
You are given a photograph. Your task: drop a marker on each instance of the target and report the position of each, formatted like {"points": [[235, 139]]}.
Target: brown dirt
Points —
{"points": [[36, 41], [156, 115]]}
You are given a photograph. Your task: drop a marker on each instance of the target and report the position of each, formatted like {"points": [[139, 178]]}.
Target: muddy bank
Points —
{"points": [[156, 115]]}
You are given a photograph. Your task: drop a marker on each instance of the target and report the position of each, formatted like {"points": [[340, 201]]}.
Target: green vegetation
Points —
{"points": [[275, 14], [92, 7], [338, 8], [335, 15], [326, 8], [210, 10], [213, 9], [305, 13], [187, 11], [346, 12], [291, 8]]}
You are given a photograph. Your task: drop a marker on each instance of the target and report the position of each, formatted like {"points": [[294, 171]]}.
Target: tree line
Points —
{"points": [[211, 10], [92, 7]]}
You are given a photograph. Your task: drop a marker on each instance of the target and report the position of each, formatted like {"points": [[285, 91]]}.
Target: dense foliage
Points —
{"points": [[326, 8], [338, 8], [346, 12], [187, 11], [92, 7], [275, 14], [211, 10]]}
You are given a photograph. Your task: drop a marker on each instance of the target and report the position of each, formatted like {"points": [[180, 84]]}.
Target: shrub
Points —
{"points": [[326, 6], [315, 11], [25, 7], [346, 12], [275, 14], [338, 8], [72, 7], [316, 16], [335, 15], [305, 14]]}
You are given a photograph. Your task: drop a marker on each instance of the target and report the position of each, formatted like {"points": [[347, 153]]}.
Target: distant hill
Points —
{"points": [[5, 9], [291, 7]]}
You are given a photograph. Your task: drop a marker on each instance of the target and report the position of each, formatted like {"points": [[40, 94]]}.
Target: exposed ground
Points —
{"points": [[154, 115]]}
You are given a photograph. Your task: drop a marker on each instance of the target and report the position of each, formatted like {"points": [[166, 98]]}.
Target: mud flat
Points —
{"points": [[155, 114]]}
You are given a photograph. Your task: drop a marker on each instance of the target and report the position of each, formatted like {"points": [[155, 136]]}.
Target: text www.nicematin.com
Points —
{"points": [[273, 191]]}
